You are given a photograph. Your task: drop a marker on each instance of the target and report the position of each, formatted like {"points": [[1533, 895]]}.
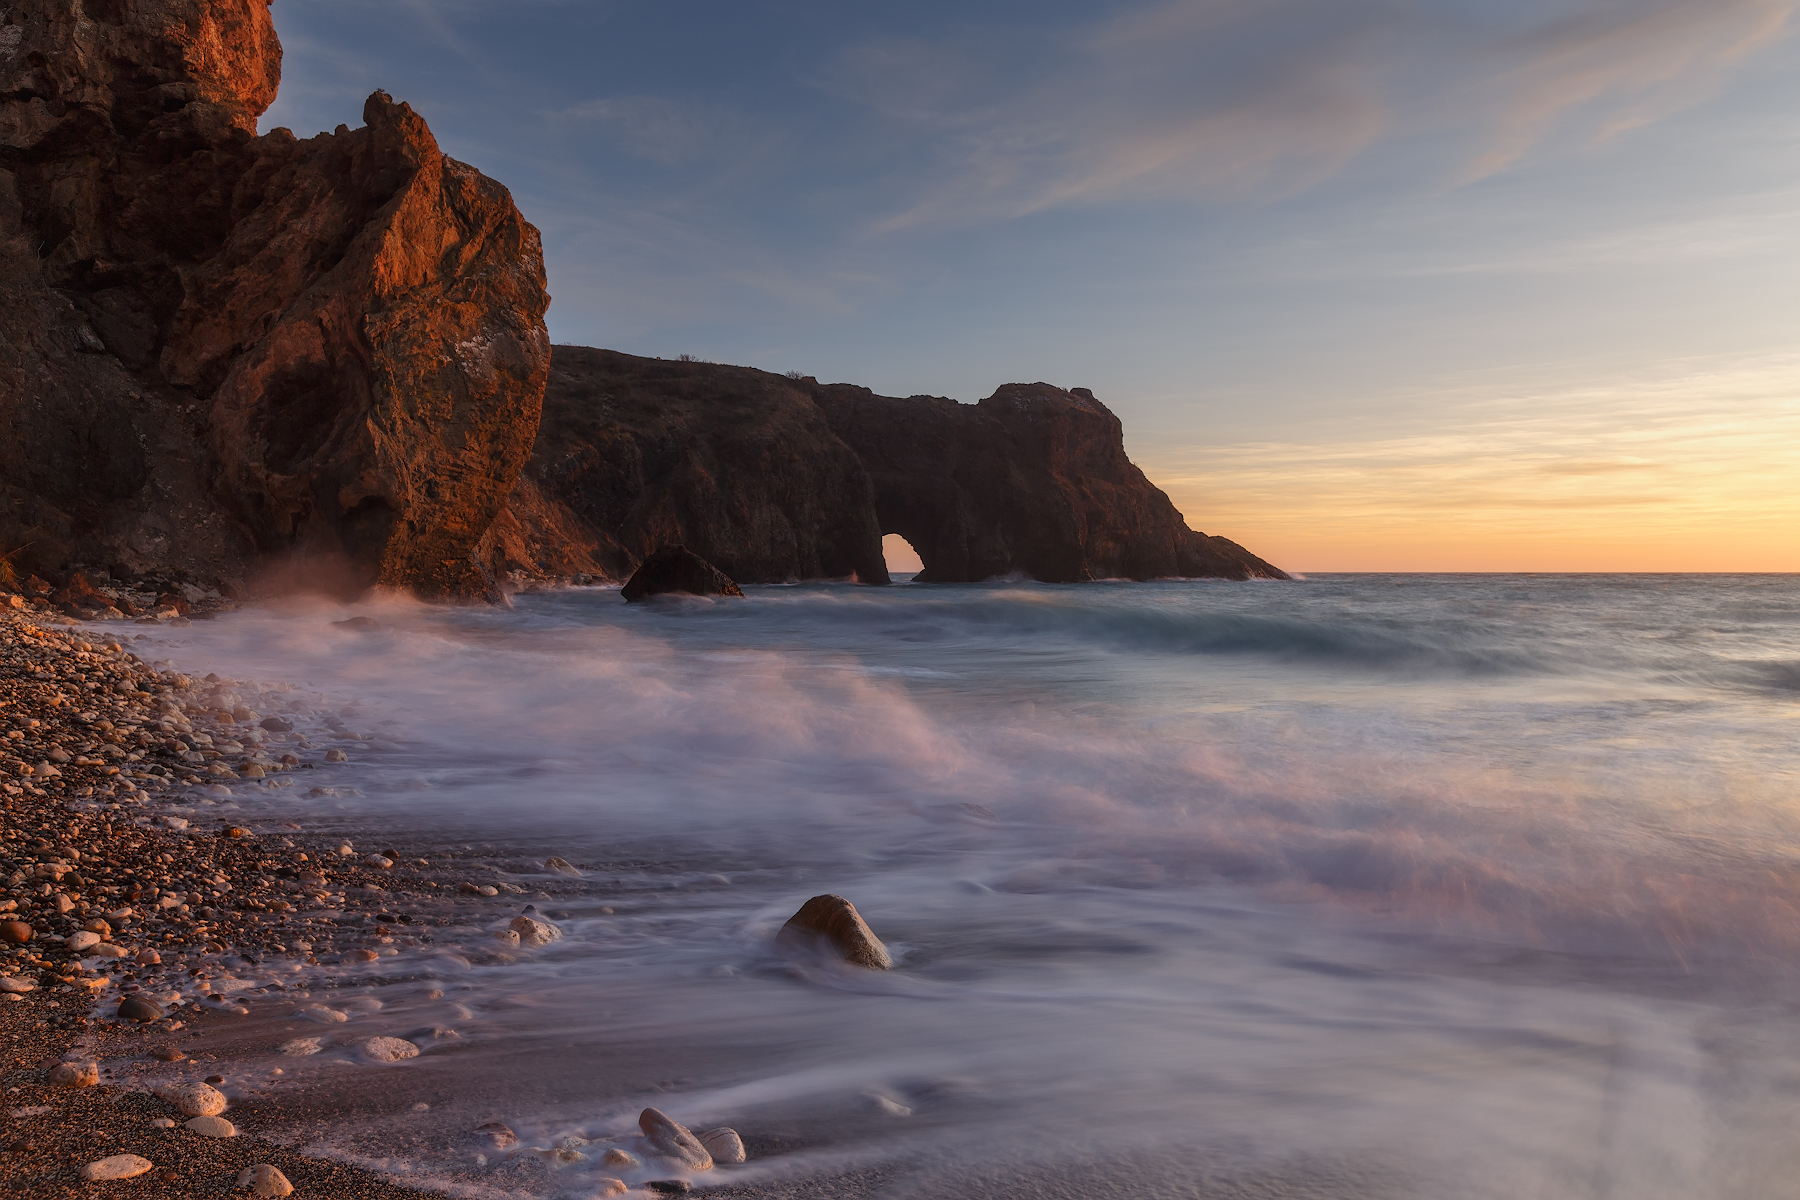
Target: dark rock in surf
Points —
{"points": [[672, 1140], [836, 921], [678, 569], [139, 1008]]}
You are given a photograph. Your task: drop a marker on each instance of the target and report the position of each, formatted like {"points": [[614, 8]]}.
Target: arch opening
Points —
{"points": [[903, 562]]}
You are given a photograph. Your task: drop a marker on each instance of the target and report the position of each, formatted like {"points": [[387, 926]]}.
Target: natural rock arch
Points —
{"points": [[773, 478]]}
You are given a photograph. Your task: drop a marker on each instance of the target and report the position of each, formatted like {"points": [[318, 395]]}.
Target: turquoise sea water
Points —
{"points": [[1352, 886]]}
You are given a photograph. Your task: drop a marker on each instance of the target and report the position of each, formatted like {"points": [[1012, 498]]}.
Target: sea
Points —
{"points": [[1349, 886]]}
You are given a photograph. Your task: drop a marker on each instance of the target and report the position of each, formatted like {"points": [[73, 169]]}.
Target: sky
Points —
{"points": [[1456, 285]]}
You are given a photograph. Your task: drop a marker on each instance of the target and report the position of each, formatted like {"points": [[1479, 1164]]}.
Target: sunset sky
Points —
{"points": [[1373, 285]]}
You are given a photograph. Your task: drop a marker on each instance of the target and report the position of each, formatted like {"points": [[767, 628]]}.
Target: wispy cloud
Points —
{"points": [[1227, 99], [1629, 62], [664, 130]]}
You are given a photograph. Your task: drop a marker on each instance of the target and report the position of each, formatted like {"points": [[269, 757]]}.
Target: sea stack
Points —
{"points": [[678, 569]]}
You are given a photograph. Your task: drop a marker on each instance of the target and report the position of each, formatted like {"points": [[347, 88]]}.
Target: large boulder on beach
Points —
{"points": [[678, 569], [672, 1140], [833, 921]]}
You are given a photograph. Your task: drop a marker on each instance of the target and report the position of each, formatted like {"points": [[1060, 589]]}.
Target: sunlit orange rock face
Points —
{"points": [[220, 352]]}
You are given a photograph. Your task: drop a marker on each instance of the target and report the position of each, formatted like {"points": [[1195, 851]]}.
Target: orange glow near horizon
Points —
{"points": [[1699, 472], [902, 559]]}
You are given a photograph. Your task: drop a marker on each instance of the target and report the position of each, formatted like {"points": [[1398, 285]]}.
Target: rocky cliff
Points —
{"points": [[228, 357], [221, 352], [773, 478]]}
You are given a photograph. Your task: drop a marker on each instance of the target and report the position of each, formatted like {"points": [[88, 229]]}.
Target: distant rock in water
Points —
{"points": [[677, 569], [836, 921], [775, 478], [221, 350]]}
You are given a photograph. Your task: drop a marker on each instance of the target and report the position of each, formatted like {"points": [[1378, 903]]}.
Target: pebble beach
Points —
{"points": [[123, 923], [142, 943]]}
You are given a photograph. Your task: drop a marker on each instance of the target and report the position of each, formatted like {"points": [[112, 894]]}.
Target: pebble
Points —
{"points": [[12, 983], [672, 1140], [499, 1135], [301, 1047], [75, 1074], [336, 756], [888, 1105], [265, 1180], [108, 950], [561, 866], [619, 1158], [217, 1127], [533, 932], [83, 941], [671, 1187], [119, 1166], [389, 1049], [163, 1123], [139, 1008], [724, 1145], [606, 1185], [363, 956], [16, 932], [193, 1099]]}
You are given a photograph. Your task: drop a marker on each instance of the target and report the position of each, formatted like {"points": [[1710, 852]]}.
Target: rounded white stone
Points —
{"points": [[265, 1180], [119, 1166], [193, 1099], [217, 1127]]}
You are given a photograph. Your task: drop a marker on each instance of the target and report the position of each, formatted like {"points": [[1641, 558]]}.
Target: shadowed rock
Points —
{"points": [[835, 920], [139, 1008], [677, 569], [774, 478]]}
